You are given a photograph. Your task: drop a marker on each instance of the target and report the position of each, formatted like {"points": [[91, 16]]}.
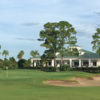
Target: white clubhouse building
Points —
{"points": [[84, 59]]}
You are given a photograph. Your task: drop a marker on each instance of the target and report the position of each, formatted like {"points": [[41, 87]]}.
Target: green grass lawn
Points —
{"points": [[28, 85]]}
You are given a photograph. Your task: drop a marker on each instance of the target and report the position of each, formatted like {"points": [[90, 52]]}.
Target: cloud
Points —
{"points": [[29, 39], [85, 30], [45, 2], [98, 13], [30, 24], [98, 25], [26, 3]]}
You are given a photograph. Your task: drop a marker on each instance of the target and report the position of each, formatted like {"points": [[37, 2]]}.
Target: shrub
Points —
{"points": [[49, 69], [98, 68], [87, 69], [64, 67], [37, 67], [21, 63], [27, 63]]}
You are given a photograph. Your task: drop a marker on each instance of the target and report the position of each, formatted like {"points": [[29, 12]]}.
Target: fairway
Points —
{"points": [[28, 85]]}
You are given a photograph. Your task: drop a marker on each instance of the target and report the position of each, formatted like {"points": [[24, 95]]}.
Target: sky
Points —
{"points": [[22, 20]]}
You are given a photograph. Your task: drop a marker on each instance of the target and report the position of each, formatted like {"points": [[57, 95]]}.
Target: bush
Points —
{"points": [[13, 66], [27, 63], [49, 69], [64, 67], [98, 68], [37, 67], [21, 63], [87, 69]]}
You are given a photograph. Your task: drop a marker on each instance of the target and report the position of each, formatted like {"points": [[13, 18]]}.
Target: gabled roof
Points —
{"points": [[87, 54]]}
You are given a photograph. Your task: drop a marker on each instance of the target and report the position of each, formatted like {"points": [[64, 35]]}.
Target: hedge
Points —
{"points": [[87, 69]]}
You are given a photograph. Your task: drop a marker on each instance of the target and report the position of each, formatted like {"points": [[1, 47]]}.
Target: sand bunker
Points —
{"points": [[76, 82]]}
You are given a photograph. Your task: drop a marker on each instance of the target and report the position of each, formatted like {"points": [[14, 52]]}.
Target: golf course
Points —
{"points": [[29, 85]]}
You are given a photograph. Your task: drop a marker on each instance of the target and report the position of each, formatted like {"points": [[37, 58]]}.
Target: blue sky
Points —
{"points": [[22, 20]]}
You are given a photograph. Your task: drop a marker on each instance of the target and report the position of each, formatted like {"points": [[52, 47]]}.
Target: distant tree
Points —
{"points": [[6, 53], [67, 36], [12, 59], [96, 41], [20, 55], [22, 52], [34, 53], [12, 62], [6, 62]]}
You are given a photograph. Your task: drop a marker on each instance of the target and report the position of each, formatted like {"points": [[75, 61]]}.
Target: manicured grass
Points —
{"points": [[28, 85]]}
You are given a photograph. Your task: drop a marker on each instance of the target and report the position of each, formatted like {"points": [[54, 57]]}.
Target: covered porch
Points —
{"points": [[79, 62], [72, 62]]}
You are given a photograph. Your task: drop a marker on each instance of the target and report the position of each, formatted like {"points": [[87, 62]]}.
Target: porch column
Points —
{"points": [[47, 64], [70, 62], [98, 63], [52, 63], [89, 62], [44, 65], [39, 62], [80, 65], [34, 63], [31, 62]]}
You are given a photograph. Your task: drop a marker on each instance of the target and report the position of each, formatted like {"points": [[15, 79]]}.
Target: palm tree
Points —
{"points": [[20, 55], [5, 52], [34, 53], [22, 52]]}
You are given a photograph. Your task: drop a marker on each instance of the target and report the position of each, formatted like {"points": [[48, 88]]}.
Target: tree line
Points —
{"points": [[11, 63]]}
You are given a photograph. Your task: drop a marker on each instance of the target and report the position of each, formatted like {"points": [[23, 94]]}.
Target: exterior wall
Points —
{"points": [[98, 63], [34, 61], [31, 62], [57, 53]]}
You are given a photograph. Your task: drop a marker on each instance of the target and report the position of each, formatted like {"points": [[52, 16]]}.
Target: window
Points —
{"points": [[58, 61], [85, 63], [49, 62], [76, 63], [94, 63]]}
